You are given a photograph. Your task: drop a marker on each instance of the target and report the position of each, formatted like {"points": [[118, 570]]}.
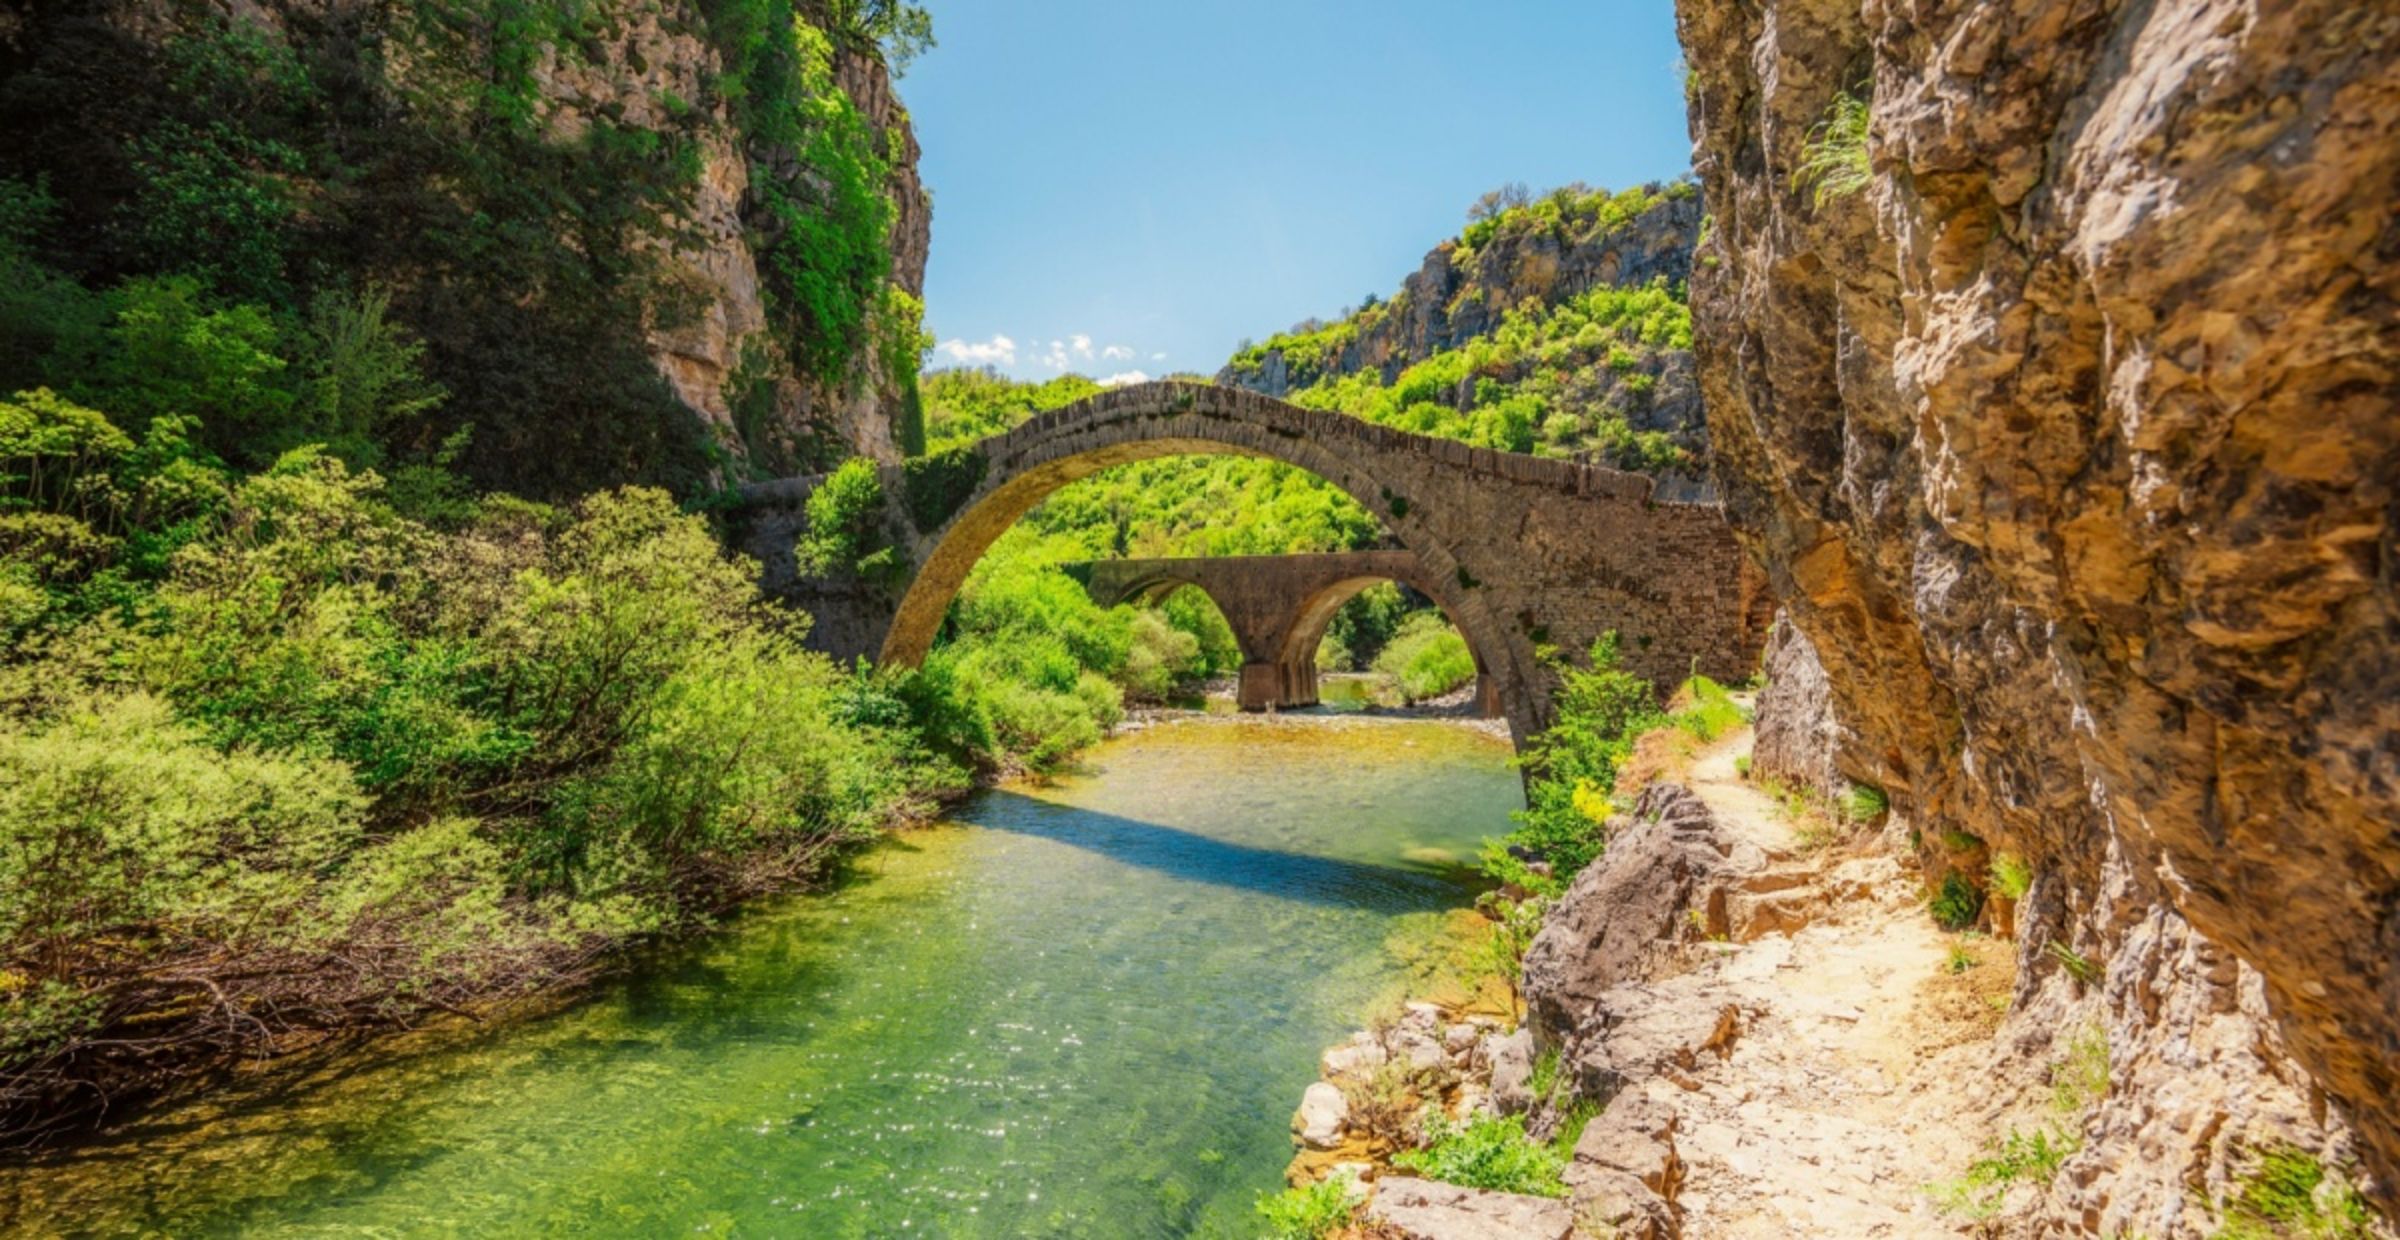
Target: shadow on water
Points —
{"points": [[1198, 858]]}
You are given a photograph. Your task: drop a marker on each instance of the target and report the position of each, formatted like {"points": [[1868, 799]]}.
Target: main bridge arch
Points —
{"points": [[1534, 555], [1279, 607]]}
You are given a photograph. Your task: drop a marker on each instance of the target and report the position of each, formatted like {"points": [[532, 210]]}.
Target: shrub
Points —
{"points": [[845, 525], [1385, 1100], [1427, 657], [1311, 1213], [1956, 903], [1865, 803], [1573, 765], [1492, 1152]]}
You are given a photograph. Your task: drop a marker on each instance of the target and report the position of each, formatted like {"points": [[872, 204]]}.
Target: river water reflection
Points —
{"points": [[1083, 1009]]}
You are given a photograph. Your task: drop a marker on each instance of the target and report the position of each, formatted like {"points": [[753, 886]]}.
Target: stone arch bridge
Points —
{"points": [[1278, 607], [1527, 556]]}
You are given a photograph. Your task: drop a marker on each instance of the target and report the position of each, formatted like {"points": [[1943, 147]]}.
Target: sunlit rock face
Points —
{"points": [[2070, 442]]}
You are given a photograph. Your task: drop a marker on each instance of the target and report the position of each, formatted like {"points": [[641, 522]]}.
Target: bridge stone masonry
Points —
{"points": [[1530, 558], [1278, 607]]}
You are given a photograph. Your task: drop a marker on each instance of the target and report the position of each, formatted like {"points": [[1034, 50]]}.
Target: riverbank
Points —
{"points": [[1074, 1006], [1739, 1023]]}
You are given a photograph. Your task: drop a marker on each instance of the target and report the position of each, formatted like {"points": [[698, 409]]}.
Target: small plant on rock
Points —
{"points": [[2011, 876], [2081, 1078], [2290, 1193], [1309, 1213], [1956, 903], [1493, 1152], [1834, 164], [1865, 803], [2033, 1157], [2077, 965], [1384, 1102], [1960, 959]]}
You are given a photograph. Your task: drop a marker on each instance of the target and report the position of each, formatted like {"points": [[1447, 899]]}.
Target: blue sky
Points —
{"points": [[1136, 187]]}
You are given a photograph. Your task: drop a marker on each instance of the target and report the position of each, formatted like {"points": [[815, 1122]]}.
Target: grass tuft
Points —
{"points": [[2291, 1194], [1834, 163]]}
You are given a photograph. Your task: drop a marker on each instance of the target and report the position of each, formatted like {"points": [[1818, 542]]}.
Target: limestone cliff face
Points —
{"points": [[679, 243], [715, 347], [2070, 442], [1459, 293], [1528, 259]]}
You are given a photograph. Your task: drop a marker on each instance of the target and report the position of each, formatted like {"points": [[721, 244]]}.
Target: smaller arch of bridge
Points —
{"points": [[1279, 606], [1298, 656]]}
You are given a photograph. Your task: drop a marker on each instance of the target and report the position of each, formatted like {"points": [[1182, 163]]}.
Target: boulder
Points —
{"points": [[1626, 911], [1798, 739], [1419, 1051], [1323, 1111], [1430, 1210], [1511, 1057], [1356, 1057]]}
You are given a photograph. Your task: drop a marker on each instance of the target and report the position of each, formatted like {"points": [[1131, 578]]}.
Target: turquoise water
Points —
{"points": [[1084, 1009]]}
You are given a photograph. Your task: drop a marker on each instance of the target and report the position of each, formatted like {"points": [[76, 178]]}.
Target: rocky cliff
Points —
{"points": [[680, 243], [2059, 404], [1516, 309]]}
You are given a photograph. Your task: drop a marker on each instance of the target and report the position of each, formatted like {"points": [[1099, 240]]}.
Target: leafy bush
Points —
{"points": [[1956, 902], [1573, 764], [845, 526], [1311, 1213], [1427, 657], [1492, 1152], [278, 757]]}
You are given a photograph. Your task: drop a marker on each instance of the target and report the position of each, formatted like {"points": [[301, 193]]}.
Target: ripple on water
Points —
{"points": [[1082, 1009]]}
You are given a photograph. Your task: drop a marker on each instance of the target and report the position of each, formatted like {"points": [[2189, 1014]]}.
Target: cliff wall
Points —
{"points": [[2066, 431], [678, 243]]}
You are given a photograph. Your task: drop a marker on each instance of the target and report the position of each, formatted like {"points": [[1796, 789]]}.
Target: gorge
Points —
{"points": [[527, 707]]}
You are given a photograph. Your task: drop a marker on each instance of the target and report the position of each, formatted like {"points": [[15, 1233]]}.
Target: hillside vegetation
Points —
{"points": [[519, 196]]}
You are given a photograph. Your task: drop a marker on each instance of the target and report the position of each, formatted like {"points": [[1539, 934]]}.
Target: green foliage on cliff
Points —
{"points": [[1571, 213], [822, 236], [1567, 379], [2291, 1193], [247, 219], [1834, 162]]}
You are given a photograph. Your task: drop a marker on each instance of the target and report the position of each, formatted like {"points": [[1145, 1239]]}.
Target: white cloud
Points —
{"points": [[1055, 357], [1083, 345], [1116, 353], [1123, 377], [997, 351], [1158, 357]]}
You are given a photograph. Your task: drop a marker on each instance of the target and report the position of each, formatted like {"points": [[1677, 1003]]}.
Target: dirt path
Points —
{"points": [[1848, 1090]]}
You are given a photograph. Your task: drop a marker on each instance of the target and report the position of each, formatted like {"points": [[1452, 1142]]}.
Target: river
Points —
{"points": [[1079, 1009]]}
